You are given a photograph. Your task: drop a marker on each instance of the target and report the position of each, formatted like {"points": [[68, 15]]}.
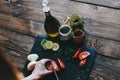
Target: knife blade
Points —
{"points": [[55, 74]]}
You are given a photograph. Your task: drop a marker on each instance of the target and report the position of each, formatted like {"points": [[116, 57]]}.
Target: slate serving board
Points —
{"points": [[72, 71]]}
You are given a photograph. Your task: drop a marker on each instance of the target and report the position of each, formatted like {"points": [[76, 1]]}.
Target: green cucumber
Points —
{"points": [[55, 46], [44, 47], [43, 41], [48, 44]]}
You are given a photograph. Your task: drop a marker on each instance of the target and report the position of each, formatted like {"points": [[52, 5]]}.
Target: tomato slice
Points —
{"points": [[84, 55], [49, 65], [62, 65], [55, 66], [83, 62], [76, 55]]}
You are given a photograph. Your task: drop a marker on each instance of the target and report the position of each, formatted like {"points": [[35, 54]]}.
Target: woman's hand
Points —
{"points": [[40, 68], [39, 71]]}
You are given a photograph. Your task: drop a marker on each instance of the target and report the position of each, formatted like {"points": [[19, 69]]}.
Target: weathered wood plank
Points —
{"points": [[21, 26], [17, 58], [61, 9], [104, 46], [23, 11], [96, 29], [16, 41], [105, 68], [101, 29], [107, 3], [18, 61], [94, 12], [17, 35], [14, 24], [17, 46]]}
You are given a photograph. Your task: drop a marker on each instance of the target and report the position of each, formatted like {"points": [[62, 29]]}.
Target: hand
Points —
{"points": [[40, 68]]}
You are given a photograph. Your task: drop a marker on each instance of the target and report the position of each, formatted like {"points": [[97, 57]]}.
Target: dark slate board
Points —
{"points": [[72, 70]]}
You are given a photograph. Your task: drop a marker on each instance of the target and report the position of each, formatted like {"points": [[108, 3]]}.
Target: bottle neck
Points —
{"points": [[47, 13]]}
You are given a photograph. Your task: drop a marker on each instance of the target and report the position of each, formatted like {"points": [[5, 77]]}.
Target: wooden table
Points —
{"points": [[102, 26]]}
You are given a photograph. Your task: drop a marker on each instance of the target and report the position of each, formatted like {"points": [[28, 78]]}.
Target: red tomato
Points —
{"points": [[49, 65], [83, 62], [62, 65], [55, 66], [84, 55], [76, 55]]}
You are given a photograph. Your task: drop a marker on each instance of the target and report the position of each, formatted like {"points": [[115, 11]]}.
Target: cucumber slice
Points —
{"points": [[55, 46], [48, 44], [43, 41], [44, 46]]}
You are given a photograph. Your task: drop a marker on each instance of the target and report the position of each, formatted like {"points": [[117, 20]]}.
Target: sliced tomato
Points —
{"points": [[84, 55], [55, 66], [76, 55], [83, 62], [62, 65], [49, 65]]}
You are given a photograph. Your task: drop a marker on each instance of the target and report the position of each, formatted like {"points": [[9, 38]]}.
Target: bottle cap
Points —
{"points": [[45, 6], [44, 3], [46, 9]]}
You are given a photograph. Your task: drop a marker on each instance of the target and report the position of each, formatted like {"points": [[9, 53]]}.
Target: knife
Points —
{"points": [[55, 74]]}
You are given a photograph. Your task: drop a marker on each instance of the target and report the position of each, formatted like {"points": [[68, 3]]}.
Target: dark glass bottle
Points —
{"points": [[51, 24]]}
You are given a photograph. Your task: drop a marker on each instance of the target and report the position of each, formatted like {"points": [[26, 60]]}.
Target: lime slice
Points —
{"points": [[55, 46], [48, 45], [43, 41]]}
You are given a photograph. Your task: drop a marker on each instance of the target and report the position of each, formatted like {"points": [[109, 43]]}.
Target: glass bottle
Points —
{"points": [[51, 24], [76, 22]]}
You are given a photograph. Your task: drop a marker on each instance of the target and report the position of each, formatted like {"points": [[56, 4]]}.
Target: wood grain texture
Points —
{"points": [[32, 10], [90, 11], [32, 28], [101, 29], [104, 46], [107, 3], [105, 68], [21, 26], [17, 58], [21, 22], [14, 24], [16, 41], [17, 46], [103, 34]]}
